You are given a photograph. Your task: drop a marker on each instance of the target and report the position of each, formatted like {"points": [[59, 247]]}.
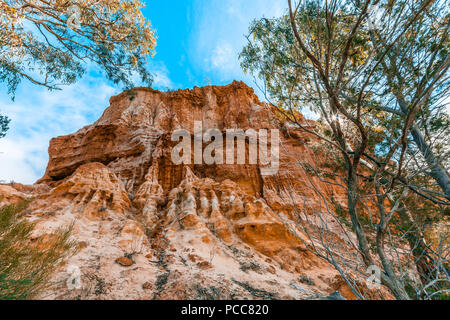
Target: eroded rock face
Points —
{"points": [[149, 229]]}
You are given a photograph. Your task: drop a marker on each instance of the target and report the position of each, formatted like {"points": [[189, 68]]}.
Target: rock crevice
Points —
{"points": [[185, 229]]}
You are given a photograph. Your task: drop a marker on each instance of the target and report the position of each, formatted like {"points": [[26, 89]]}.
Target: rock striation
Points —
{"points": [[150, 229]]}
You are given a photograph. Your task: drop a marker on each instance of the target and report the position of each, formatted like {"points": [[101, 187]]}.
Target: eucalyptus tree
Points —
{"points": [[51, 42], [4, 125], [376, 74]]}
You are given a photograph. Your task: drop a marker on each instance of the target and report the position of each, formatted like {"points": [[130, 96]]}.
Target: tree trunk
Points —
{"points": [[418, 247], [437, 172]]}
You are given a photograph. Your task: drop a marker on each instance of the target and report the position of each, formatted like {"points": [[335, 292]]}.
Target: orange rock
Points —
{"points": [[206, 239], [147, 286], [124, 262], [10, 195], [204, 265], [82, 245], [115, 182], [193, 257]]}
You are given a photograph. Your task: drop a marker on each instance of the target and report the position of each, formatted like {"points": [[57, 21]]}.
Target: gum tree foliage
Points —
{"points": [[273, 55], [376, 74], [26, 265], [51, 42], [4, 125]]}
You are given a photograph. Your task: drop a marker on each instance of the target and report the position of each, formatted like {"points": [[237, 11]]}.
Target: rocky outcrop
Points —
{"points": [[150, 229]]}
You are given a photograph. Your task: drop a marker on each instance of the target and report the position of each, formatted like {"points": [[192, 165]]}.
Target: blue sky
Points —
{"points": [[198, 44]]}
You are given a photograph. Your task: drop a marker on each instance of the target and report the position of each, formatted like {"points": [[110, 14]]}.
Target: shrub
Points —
{"points": [[25, 264]]}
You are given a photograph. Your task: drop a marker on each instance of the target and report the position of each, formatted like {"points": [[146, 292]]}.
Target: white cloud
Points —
{"points": [[38, 115], [13, 160], [161, 79], [219, 32], [217, 37], [223, 56]]}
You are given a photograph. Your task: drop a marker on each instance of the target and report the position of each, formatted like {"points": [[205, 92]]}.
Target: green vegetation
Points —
{"points": [[4, 125], [26, 264], [375, 74], [51, 43]]}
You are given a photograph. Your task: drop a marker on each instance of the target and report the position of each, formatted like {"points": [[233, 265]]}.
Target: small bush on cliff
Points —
{"points": [[26, 265]]}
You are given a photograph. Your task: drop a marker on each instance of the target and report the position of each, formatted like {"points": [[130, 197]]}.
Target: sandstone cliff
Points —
{"points": [[149, 229]]}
